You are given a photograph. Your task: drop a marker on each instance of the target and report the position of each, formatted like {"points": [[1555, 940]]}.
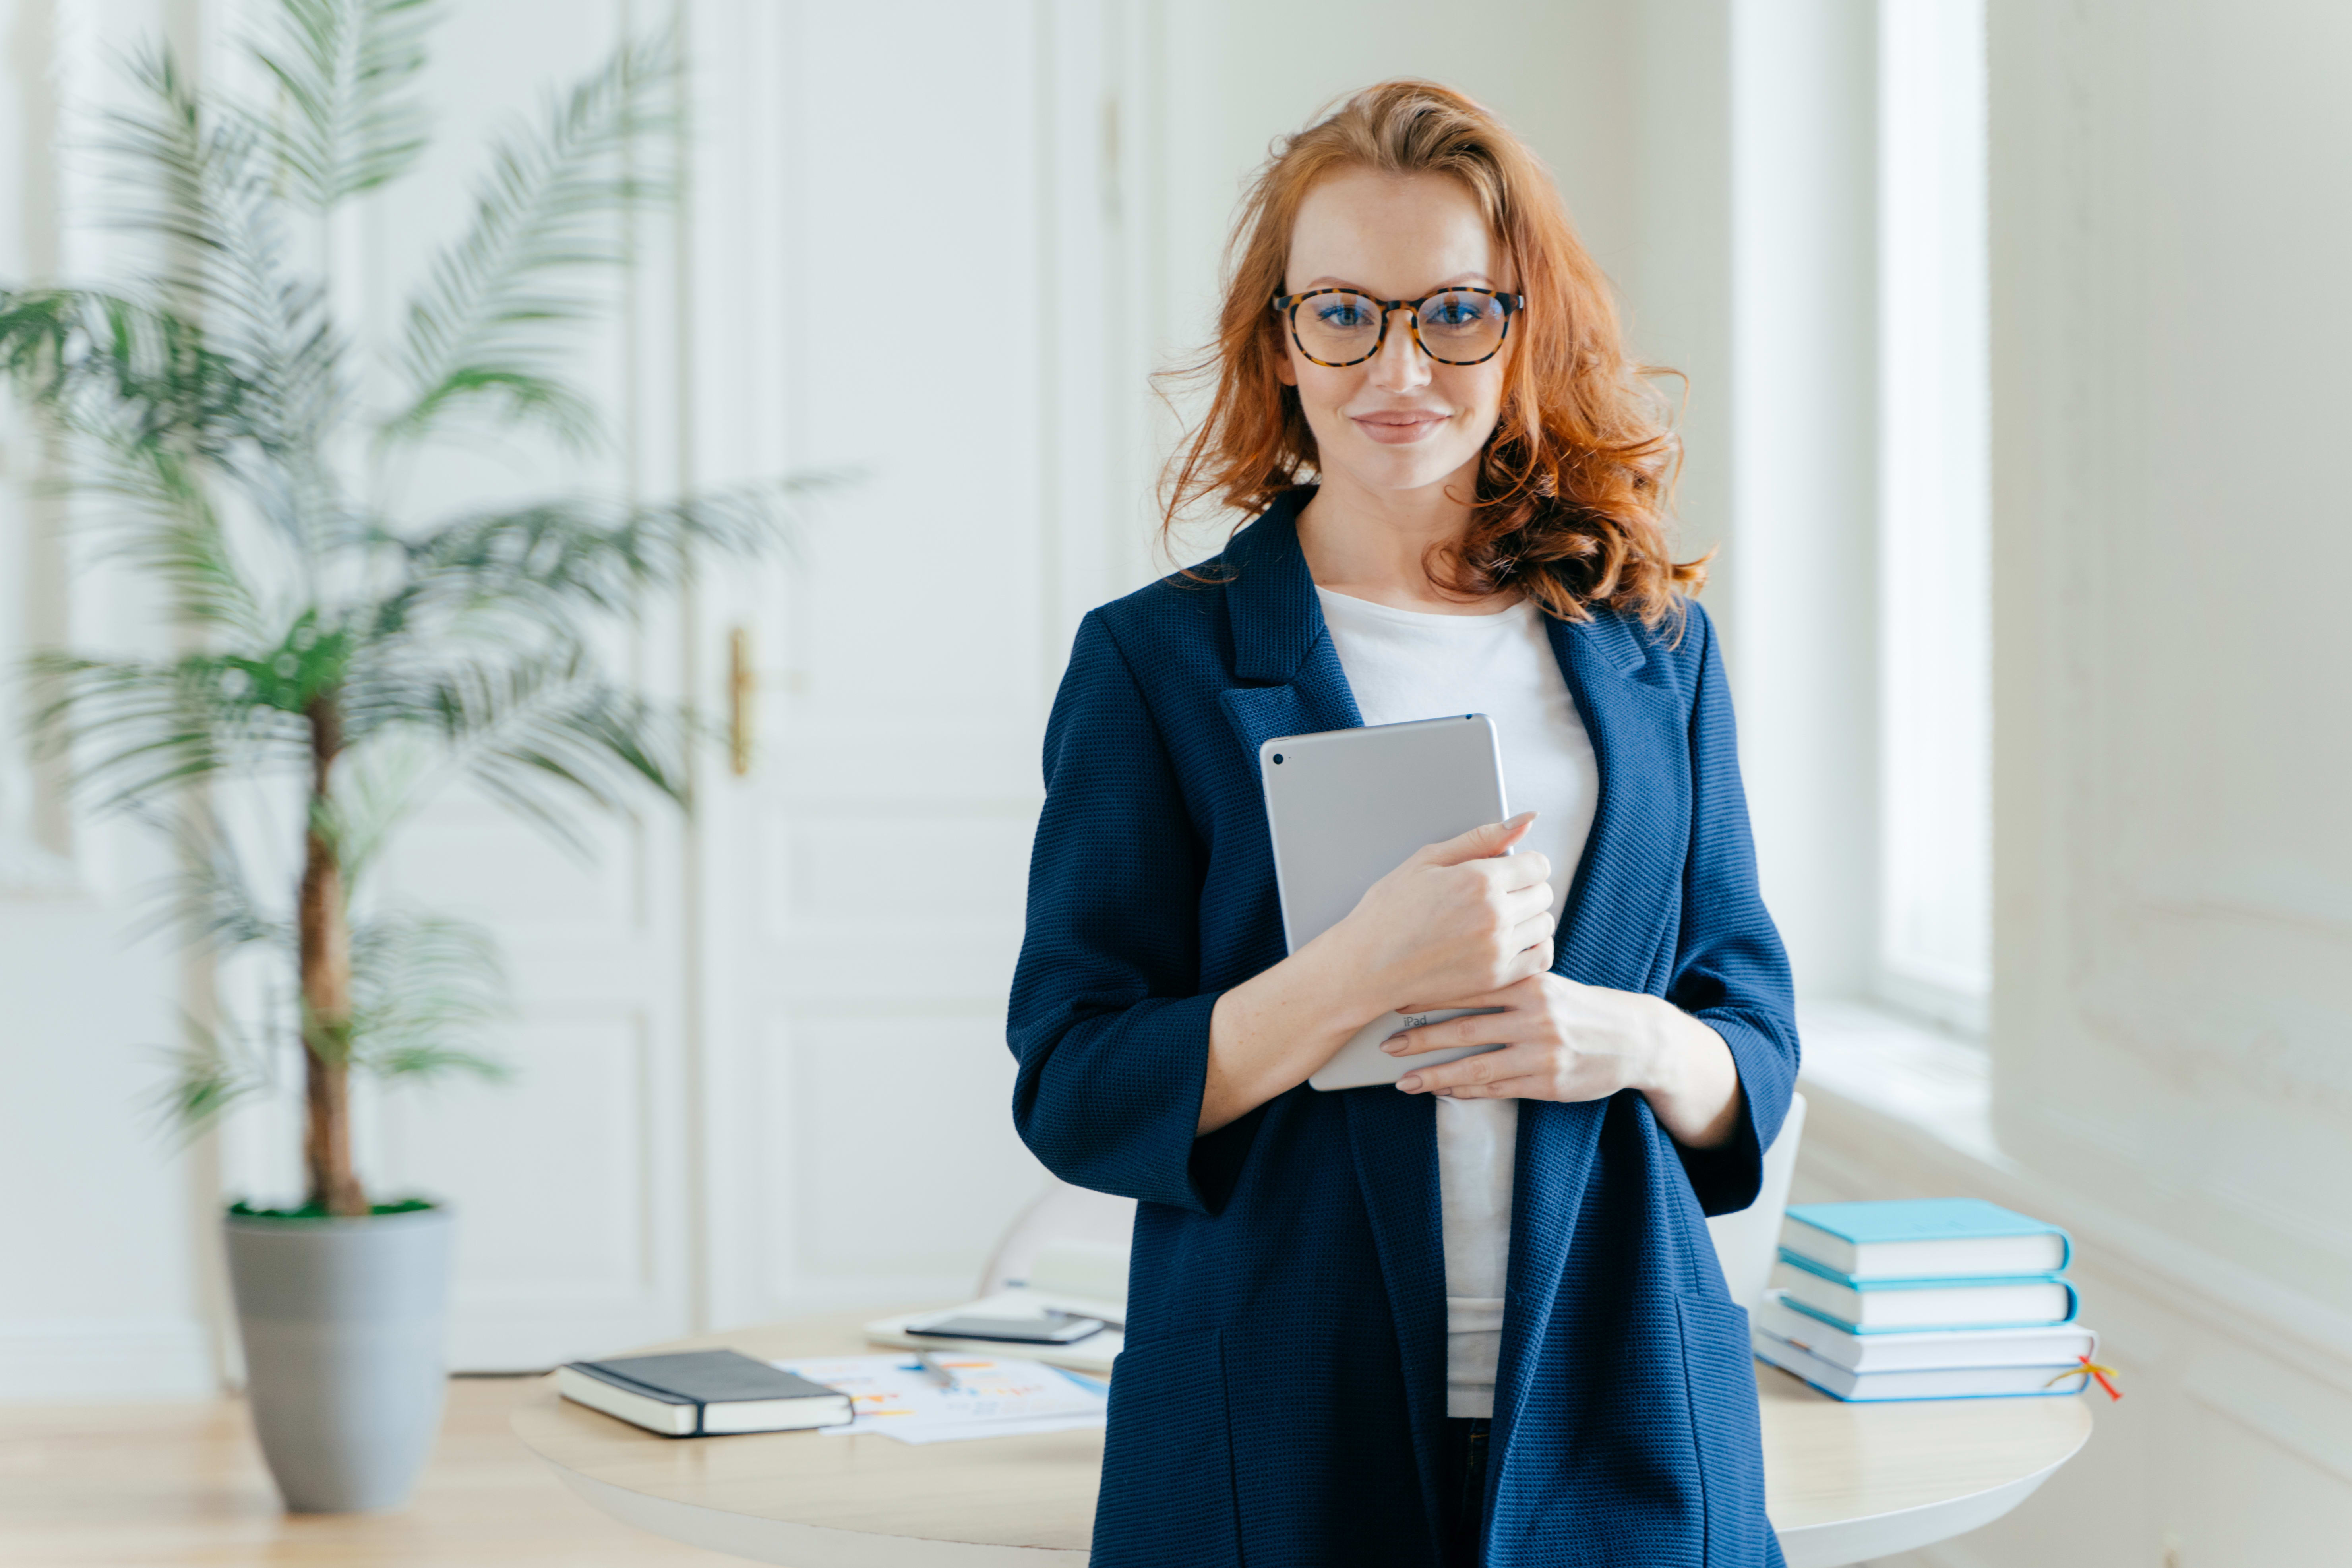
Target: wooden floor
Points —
{"points": [[119, 1485], [184, 1483]]}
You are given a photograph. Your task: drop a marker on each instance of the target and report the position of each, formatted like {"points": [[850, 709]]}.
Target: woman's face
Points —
{"points": [[1399, 420]]}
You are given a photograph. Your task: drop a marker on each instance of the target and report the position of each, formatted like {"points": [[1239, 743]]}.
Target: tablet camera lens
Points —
{"points": [[1277, 756]]}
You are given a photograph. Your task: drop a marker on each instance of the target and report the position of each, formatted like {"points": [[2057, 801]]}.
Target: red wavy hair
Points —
{"points": [[1574, 485]]}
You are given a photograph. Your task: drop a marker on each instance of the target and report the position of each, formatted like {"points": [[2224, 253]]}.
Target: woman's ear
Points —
{"points": [[1283, 371]]}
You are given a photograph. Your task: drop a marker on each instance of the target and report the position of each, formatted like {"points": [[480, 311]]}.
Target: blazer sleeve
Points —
{"points": [[1731, 968], [1111, 1037]]}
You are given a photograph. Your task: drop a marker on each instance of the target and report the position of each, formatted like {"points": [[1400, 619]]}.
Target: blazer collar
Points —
{"points": [[1270, 595], [1280, 643], [1278, 620]]}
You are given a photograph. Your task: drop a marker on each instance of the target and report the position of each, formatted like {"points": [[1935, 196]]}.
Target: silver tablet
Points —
{"points": [[1345, 808]]}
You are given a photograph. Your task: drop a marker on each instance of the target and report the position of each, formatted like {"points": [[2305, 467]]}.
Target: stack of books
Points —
{"points": [[1925, 1298]]}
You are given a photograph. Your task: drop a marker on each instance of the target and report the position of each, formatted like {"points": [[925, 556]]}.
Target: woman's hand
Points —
{"points": [[1464, 915], [1565, 1041]]}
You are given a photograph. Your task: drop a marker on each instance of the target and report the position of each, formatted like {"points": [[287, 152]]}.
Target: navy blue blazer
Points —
{"points": [[1282, 1395]]}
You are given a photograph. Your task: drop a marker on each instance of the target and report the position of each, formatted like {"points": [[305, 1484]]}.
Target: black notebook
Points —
{"points": [[701, 1393]]}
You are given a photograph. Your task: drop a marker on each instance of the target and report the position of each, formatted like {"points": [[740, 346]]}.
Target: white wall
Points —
{"points": [[100, 1281], [2173, 866], [2173, 858]]}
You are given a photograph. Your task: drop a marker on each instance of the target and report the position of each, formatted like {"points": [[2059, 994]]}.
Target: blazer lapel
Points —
{"points": [[1629, 883], [1280, 640], [1280, 644], [1625, 892]]}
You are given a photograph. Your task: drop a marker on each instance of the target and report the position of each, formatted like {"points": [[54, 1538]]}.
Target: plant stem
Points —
{"points": [[325, 940]]}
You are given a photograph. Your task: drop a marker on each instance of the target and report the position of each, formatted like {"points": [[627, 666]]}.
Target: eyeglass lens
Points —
{"points": [[1457, 327]]}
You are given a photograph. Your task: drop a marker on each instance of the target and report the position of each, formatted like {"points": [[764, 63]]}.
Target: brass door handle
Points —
{"points": [[742, 692]]}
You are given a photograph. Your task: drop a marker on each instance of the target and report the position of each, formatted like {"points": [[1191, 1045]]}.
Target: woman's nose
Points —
{"points": [[1400, 366]]}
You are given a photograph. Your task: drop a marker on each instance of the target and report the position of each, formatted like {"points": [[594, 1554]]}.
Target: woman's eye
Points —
{"points": [[1344, 314], [1458, 312]]}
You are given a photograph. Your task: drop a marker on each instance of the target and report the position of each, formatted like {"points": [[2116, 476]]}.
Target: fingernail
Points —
{"points": [[1393, 1043], [1409, 1084]]}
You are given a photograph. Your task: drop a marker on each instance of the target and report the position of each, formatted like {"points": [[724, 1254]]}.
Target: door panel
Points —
{"points": [[873, 955]]}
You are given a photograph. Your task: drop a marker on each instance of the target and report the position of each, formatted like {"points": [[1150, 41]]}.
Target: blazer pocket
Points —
{"points": [[1718, 1367], [1168, 1458]]}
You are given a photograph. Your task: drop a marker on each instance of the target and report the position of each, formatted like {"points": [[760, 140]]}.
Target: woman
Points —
{"points": [[1476, 1317]]}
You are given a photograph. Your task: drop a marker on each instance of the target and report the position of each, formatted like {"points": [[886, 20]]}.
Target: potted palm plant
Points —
{"points": [[335, 662]]}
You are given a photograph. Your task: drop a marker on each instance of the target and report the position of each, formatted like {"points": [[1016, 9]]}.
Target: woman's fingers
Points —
{"points": [[1521, 902], [1514, 994], [1529, 868], [1483, 842], [1533, 1086], [1530, 963], [1522, 1020], [1488, 1067], [1453, 1033]]}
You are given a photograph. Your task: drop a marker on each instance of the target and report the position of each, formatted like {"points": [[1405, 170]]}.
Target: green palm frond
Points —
{"points": [[563, 556], [152, 399], [345, 67], [543, 735], [215, 1068], [478, 330], [136, 732], [424, 1060], [379, 786], [201, 177], [125, 373], [176, 535], [195, 176], [211, 903], [151, 405], [423, 990]]}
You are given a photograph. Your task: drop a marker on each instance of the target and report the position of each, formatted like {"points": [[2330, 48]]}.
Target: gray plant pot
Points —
{"points": [[342, 1326]]}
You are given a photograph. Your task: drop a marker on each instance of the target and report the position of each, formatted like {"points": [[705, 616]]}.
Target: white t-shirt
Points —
{"points": [[1403, 665]]}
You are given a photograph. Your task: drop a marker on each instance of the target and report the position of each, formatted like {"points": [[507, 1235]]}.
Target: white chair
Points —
{"points": [[1747, 1242], [1078, 1224], [1068, 1219]]}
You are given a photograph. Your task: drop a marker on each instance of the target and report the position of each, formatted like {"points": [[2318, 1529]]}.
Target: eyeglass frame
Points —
{"points": [[1286, 305]]}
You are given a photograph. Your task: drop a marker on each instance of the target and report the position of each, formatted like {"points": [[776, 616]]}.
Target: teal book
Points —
{"points": [[1865, 1306], [1924, 1238], [1925, 1383]]}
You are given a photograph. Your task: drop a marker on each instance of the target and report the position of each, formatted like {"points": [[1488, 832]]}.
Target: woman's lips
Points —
{"points": [[1401, 426]]}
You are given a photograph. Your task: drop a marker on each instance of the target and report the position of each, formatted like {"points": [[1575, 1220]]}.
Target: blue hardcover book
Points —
{"points": [[1925, 1238], [1925, 1383], [1885, 1306]]}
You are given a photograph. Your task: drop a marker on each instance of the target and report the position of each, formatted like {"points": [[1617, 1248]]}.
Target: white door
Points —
{"points": [[948, 235]]}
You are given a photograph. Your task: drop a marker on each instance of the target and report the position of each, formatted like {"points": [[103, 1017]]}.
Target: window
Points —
{"points": [[1935, 666]]}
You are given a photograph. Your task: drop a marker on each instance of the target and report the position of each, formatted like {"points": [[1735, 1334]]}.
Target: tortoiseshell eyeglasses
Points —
{"points": [[1339, 327]]}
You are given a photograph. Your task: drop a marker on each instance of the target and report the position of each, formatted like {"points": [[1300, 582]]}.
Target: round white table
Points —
{"points": [[1843, 1483]]}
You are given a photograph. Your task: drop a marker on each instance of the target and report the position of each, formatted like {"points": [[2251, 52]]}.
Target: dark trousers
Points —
{"points": [[1464, 1491]]}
